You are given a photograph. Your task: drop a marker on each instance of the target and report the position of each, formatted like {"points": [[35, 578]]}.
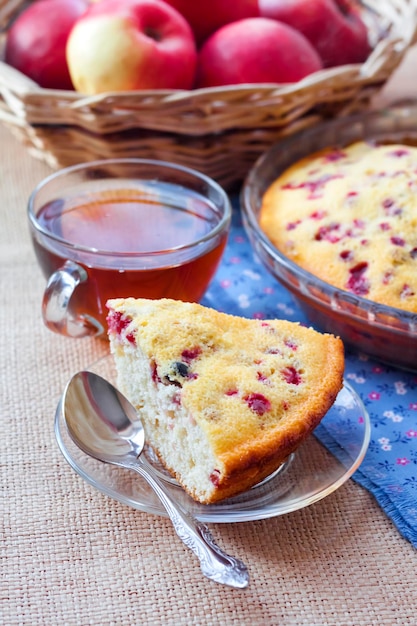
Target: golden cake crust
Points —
{"points": [[349, 216], [256, 388]]}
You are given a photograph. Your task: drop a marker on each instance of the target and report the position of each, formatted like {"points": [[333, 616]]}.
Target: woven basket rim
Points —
{"points": [[386, 46], [219, 131]]}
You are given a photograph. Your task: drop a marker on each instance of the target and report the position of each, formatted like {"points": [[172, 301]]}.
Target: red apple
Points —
{"points": [[334, 27], [255, 50], [207, 16], [123, 45], [37, 39]]}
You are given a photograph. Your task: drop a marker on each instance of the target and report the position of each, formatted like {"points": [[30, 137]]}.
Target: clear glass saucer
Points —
{"points": [[313, 472]]}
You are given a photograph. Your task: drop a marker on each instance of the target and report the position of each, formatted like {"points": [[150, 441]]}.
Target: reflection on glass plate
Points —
{"points": [[310, 474]]}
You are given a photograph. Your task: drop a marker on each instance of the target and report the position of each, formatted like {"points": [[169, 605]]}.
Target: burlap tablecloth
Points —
{"points": [[70, 555]]}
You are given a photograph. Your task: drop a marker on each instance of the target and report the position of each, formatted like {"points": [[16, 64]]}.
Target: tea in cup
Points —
{"points": [[120, 228]]}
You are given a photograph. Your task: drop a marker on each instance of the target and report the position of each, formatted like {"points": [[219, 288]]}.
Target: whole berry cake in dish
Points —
{"points": [[224, 400], [349, 216]]}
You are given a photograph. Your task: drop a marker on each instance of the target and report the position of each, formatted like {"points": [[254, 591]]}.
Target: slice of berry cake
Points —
{"points": [[224, 400]]}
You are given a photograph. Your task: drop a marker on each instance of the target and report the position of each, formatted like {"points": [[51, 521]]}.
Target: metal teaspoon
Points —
{"points": [[105, 425]]}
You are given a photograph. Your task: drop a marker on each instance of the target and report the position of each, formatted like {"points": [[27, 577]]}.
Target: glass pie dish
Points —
{"points": [[383, 332]]}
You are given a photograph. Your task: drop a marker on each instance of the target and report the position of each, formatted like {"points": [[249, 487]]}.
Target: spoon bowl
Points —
{"points": [[105, 425], [100, 419]]}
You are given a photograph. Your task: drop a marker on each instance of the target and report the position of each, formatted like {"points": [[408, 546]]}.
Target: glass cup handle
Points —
{"points": [[56, 299]]}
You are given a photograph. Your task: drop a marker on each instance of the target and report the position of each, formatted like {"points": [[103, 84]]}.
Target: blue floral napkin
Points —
{"points": [[242, 286]]}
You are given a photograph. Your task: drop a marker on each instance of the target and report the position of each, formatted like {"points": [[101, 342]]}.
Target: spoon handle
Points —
{"points": [[215, 564]]}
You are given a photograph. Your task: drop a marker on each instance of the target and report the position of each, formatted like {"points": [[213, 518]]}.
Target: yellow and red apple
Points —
{"points": [[124, 45]]}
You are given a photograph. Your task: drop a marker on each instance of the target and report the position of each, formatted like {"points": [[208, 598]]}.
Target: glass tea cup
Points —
{"points": [[121, 228]]}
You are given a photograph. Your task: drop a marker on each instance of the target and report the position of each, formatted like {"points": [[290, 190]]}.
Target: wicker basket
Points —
{"points": [[219, 131]]}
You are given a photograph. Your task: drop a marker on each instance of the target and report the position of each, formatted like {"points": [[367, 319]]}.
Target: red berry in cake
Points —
{"points": [[273, 351], [293, 225], [385, 226], [406, 292], [190, 354], [268, 328], [318, 215], [176, 399], [390, 208], [262, 378], [397, 241], [346, 255], [215, 477], [387, 278], [258, 403], [330, 233], [131, 338], [357, 282], [291, 376], [117, 323], [291, 344]]}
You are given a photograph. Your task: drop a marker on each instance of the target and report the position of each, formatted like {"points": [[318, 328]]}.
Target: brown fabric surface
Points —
{"points": [[70, 555]]}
